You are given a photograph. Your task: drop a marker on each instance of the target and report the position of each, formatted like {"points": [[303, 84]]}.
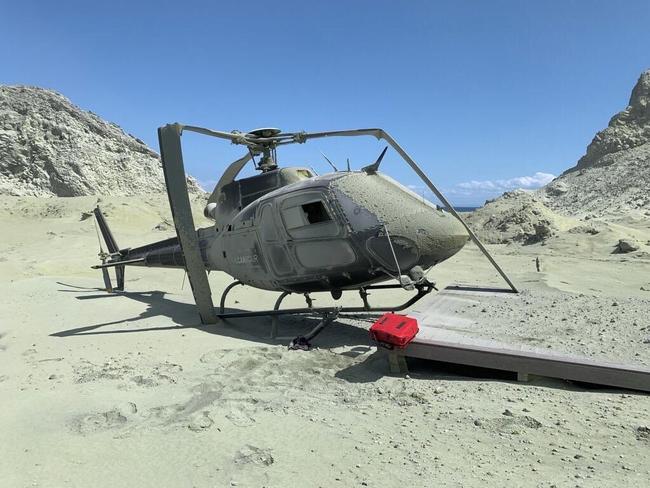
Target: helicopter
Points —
{"points": [[289, 230]]}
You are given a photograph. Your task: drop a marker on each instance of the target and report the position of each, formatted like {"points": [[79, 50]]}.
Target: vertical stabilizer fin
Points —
{"points": [[111, 244], [107, 280], [112, 247]]}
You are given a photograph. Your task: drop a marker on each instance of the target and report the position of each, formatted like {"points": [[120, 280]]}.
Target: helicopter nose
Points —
{"points": [[437, 234], [423, 238], [456, 237], [419, 232]]}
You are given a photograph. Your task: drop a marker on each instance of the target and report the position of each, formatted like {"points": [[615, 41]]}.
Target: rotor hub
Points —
{"points": [[265, 132], [263, 141]]}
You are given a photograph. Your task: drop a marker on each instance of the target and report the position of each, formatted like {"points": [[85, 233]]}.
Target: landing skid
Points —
{"points": [[423, 289]]}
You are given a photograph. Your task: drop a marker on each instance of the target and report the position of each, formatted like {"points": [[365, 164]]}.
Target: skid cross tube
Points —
{"points": [[423, 290]]}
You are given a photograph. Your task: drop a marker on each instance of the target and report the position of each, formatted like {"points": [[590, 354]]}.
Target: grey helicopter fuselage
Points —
{"points": [[287, 230]]}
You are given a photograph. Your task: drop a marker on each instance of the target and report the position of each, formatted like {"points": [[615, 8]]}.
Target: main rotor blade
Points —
{"points": [[452, 210], [231, 136], [378, 133], [171, 155], [244, 138], [229, 175], [382, 134]]}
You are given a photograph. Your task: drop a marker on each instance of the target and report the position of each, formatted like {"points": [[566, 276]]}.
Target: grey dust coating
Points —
{"points": [[289, 230]]}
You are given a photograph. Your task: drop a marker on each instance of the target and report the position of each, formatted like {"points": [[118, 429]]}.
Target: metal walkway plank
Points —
{"points": [[447, 337], [522, 361]]}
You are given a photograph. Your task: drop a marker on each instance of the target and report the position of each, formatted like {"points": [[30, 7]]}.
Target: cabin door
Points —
{"points": [[274, 250]]}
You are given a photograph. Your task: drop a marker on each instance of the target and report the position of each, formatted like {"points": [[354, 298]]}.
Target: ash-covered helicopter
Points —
{"points": [[291, 231]]}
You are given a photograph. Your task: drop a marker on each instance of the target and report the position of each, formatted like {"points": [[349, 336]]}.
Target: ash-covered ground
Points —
{"points": [[131, 390]]}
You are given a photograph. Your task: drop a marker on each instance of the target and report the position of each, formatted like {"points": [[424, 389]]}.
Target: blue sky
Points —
{"points": [[484, 95]]}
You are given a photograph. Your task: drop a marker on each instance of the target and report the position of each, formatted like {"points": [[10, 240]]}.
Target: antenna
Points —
{"points": [[328, 160], [372, 168]]}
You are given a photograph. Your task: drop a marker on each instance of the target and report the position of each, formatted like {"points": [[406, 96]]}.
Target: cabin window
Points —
{"points": [[254, 187], [315, 212], [307, 216], [330, 253]]}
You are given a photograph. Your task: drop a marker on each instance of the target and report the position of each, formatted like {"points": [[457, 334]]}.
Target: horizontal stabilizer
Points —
{"points": [[118, 263]]}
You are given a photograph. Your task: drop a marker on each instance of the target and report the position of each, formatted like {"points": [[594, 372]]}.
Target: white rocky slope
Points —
{"points": [[613, 177], [50, 147], [609, 183]]}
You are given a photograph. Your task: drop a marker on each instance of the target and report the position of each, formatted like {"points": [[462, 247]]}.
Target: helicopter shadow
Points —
{"points": [[185, 316], [257, 329]]}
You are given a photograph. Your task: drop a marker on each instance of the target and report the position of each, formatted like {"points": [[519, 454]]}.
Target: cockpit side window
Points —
{"points": [[267, 225]]}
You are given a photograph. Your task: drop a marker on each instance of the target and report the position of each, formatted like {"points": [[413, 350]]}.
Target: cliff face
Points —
{"points": [[613, 177], [627, 130], [611, 181], [50, 147]]}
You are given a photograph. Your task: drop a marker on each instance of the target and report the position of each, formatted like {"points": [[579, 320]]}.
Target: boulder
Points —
{"points": [[627, 245]]}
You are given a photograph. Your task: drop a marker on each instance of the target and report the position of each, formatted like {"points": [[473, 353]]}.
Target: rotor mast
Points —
{"points": [[268, 161]]}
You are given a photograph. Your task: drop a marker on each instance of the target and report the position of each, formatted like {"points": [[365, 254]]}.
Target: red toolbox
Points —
{"points": [[394, 330]]}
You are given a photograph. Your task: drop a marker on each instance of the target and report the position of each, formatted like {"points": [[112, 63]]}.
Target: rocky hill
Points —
{"points": [[626, 130], [50, 147], [611, 181], [613, 177]]}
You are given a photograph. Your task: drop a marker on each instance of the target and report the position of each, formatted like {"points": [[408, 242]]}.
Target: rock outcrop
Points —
{"points": [[50, 147], [517, 216], [613, 177], [626, 130], [611, 181]]}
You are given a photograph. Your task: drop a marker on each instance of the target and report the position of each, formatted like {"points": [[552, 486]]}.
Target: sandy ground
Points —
{"points": [[103, 391]]}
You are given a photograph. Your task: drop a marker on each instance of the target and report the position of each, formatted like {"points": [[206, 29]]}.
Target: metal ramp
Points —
{"points": [[446, 336]]}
